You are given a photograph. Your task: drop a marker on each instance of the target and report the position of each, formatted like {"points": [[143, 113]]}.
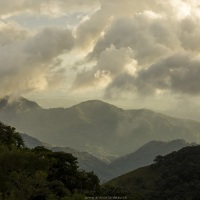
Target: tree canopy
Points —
{"points": [[39, 173]]}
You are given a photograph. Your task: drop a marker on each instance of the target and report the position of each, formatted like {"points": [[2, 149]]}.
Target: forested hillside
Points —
{"points": [[175, 176], [39, 173]]}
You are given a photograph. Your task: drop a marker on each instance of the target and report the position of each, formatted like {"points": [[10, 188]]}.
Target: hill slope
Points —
{"points": [[101, 128], [86, 161], [145, 155], [175, 176], [106, 171]]}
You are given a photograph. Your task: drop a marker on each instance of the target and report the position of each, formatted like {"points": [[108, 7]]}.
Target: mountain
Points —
{"points": [[145, 155], [11, 105], [86, 161], [175, 176], [99, 127], [106, 171], [32, 142]]}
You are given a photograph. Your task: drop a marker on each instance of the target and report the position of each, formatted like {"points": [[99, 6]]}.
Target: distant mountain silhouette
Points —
{"points": [[98, 127]]}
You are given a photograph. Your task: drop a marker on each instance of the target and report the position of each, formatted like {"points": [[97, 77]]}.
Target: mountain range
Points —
{"points": [[85, 160], [97, 127], [100, 128], [106, 171]]}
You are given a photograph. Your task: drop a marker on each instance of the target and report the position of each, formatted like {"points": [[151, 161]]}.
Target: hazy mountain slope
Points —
{"points": [[32, 142], [142, 157], [145, 155], [95, 125], [86, 161]]}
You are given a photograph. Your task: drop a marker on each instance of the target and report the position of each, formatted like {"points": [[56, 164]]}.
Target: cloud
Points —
{"points": [[120, 85], [11, 33], [91, 30], [143, 48], [47, 7], [111, 63], [142, 34], [49, 43], [190, 34], [178, 73], [32, 62]]}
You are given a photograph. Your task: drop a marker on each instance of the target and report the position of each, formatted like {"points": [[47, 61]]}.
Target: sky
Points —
{"points": [[134, 54]]}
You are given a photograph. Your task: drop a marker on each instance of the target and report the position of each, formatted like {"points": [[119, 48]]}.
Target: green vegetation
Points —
{"points": [[39, 173], [137, 184], [175, 176], [179, 175]]}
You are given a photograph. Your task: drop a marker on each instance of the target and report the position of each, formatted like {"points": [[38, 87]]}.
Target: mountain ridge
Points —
{"points": [[86, 161], [19, 104], [145, 155], [95, 125], [106, 171]]}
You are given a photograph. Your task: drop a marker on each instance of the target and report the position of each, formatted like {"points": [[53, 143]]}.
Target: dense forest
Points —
{"points": [[179, 177], [40, 174]]}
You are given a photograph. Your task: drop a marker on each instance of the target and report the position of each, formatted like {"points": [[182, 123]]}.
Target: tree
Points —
{"points": [[9, 137], [39, 173]]}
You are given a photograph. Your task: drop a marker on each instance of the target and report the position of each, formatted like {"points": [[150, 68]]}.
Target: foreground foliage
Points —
{"points": [[39, 174]]}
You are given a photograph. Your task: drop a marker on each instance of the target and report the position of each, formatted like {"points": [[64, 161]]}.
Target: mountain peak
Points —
{"points": [[19, 104], [95, 104]]}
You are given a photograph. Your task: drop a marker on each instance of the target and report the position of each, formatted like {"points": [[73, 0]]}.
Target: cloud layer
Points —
{"points": [[146, 48], [130, 47], [29, 62]]}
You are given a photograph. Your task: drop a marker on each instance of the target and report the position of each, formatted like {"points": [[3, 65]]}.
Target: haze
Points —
{"points": [[132, 54]]}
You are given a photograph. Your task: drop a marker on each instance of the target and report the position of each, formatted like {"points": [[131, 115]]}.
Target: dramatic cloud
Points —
{"points": [[111, 63], [179, 73], [92, 29], [117, 48], [138, 34], [31, 62], [142, 47]]}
